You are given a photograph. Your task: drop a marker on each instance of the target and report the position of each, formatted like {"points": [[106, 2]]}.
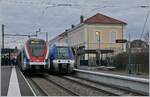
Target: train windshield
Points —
{"points": [[62, 52], [37, 47]]}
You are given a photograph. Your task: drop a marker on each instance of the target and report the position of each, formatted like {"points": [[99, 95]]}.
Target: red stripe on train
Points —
{"points": [[37, 59]]}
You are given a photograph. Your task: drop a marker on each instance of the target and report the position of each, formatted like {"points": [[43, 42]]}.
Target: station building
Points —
{"points": [[94, 38]]}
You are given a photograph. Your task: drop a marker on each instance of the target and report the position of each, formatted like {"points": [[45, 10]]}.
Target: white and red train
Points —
{"points": [[34, 55]]}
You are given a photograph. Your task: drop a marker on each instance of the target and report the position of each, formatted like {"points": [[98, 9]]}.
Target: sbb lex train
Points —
{"points": [[34, 55], [37, 55]]}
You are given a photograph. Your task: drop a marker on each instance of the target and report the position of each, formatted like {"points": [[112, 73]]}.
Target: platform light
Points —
{"points": [[97, 33]]}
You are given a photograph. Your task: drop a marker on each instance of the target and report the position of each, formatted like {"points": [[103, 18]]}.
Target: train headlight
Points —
{"points": [[72, 61], [55, 61]]}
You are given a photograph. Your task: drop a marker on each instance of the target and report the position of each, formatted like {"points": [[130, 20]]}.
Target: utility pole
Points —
{"points": [[3, 36], [129, 54], [99, 51], [46, 37]]}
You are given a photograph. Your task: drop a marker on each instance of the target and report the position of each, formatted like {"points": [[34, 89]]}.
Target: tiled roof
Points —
{"points": [[102, 19], [96, 19]]}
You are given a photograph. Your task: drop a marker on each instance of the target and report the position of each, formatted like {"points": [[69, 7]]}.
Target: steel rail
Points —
{"points": [[61, 86], [40, 89], [90, 86], [87, 86], [27, 83], [125, 90], [41, 92]]}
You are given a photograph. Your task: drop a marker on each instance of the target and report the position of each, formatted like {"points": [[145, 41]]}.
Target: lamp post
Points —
{"points": [[99, 51], [46, 36], [129, 54]]}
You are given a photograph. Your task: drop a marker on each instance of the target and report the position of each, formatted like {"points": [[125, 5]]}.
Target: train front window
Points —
{"points": [[62, 52], [37, 48]]}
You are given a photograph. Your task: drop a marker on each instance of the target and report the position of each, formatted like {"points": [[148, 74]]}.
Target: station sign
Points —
{"points": [[121, 41]]}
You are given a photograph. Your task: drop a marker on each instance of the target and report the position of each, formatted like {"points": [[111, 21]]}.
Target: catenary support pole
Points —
{"points": [[2, 35]]}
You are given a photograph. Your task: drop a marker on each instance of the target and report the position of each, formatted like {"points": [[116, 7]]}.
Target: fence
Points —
{"points": [[139, 62], [135, 68]]}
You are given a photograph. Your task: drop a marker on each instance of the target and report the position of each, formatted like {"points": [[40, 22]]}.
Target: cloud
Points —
{"points": [[27, 16]]}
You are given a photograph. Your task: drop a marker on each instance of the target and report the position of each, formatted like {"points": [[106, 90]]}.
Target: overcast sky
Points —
{"points": [[54, 16]]}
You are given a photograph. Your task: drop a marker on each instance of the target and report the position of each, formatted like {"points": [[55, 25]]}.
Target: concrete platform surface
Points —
{"points": [[5, 79], [118, 72], [13, 83]]}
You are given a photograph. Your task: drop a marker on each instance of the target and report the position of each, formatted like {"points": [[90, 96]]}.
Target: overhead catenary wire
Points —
{"points": [[18, 35], [13, 41], [48, 4], [144, 26]]}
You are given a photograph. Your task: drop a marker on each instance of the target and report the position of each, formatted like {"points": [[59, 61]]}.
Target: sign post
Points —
{"points": [[121, 41]]}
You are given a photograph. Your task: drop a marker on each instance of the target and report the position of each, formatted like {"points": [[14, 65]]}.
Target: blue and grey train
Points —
{"points": [[61, 57]]}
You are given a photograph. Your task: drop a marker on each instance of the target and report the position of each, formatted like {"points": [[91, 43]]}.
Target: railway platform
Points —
{"points": [[13, 82], [118, 72]]}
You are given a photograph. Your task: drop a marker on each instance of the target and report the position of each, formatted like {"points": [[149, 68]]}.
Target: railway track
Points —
{"points": [[114, 90], [51, 85], [78, 87], [61, 86], [36, 87], [42, 86]]}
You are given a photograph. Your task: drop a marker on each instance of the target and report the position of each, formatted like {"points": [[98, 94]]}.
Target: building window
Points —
{"points": [[113, 37], [98, 37], [66, 40]]}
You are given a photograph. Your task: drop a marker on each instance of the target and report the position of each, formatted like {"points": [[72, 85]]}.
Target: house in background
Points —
{"points": [[138, 46], [94, 37]]}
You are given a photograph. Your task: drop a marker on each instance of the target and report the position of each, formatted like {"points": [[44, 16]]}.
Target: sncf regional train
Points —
{"points": [[34, 55], [61, 58]]}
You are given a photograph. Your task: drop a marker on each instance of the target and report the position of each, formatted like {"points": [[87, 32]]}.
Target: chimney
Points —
{"points": [[66, 30], [72, 26], [81, 19]]}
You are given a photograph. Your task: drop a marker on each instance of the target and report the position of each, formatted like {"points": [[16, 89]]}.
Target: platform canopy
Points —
{"points": [[7, 50]]}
